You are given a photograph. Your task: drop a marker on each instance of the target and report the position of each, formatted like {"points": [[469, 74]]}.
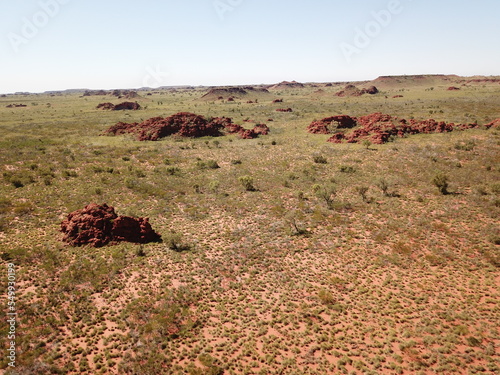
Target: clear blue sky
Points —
{"points": [[126, 44]]}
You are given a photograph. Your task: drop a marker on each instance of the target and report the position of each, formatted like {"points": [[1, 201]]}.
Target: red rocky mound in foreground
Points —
{"points": [[183, 124], [379, 128], [98, 225]]}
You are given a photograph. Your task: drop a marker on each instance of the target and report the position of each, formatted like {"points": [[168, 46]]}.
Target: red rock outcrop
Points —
{"points": [[453, 88], [493, 124], [284, 110], [325, 126], [106, 106], [16, 106], [372, 90], [261, 129], [351, 90], [182, 124], [97, 225], [278, 101], [131, 106], [379, 127]]}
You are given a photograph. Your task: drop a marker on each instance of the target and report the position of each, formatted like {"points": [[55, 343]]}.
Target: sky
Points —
{"points": [[106, 44]]}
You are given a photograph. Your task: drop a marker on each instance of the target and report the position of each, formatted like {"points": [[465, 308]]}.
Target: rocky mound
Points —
{"points": [[287, 85], [105, 106], [351, 90], [16, 106], [494, 124], [130, 106], [98, 225], [182, 124], [228, 92], [378, 128], [259, 129], [127, 94], [284, 110], [453, 88], [327, 125], [95, 93]]}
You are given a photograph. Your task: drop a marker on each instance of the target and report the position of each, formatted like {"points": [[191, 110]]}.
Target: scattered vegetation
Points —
{"points": [[301, 276]]}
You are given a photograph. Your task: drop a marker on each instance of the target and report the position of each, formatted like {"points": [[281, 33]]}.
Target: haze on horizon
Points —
{"points": [[70, 44]]}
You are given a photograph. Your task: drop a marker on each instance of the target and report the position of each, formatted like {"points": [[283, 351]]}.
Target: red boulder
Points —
{"points": [[97, 225]]}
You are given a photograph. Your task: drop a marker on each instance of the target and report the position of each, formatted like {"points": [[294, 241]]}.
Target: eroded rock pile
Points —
{"points": [[494, 124], [378, 128], [338, 122], [16, 106], [351, 90], [184, 124], [98, 225]]}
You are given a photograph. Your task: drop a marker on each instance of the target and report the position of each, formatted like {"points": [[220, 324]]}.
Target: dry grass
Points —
{"points": [[356, 265]]}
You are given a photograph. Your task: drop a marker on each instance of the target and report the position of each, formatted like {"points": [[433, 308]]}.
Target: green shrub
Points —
{"points": [[326, 297], [440, 180], [362, 190], [175, 242], [319, 159], [173, 171], [347, 169], [247, 183], [209, 164], [465, 146], [383, 185]]}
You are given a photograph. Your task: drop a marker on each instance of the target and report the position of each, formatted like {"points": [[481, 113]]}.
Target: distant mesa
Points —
{"points": [[130, 106], [127, 94], [417, 79], [353, 91], [287, 85], [95, 93], [98, 225], [379, 128], [185, 124], [225, 93]]}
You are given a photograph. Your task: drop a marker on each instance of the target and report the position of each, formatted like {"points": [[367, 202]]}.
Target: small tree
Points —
{"points": [[383, 185], [362, 190], [325, 193]]}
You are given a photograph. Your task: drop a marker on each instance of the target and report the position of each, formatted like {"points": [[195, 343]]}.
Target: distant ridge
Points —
{"points": [[384, 82]]}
